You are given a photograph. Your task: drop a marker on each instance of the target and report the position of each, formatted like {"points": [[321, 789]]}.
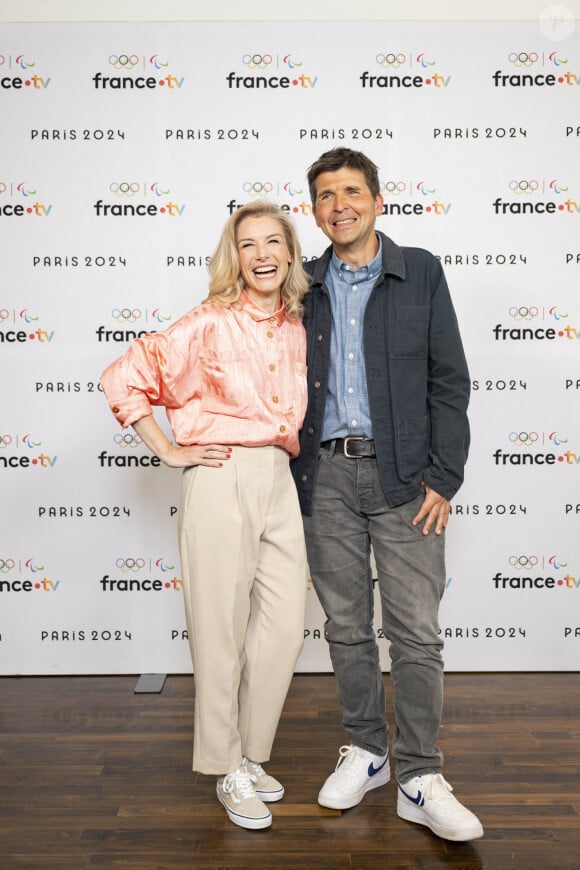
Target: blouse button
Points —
{"points": [[272, 367], [270, 334], [282, 428], [115, 410], [275, 399], [272, 320]]}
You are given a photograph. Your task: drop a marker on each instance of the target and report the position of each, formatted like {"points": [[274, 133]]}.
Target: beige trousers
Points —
{"points": [[244, 578]]}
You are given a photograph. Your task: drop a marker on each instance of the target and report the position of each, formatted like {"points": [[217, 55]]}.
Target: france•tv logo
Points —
{"points": [[153, 74], [522, 569], [528, 65], [535, 448], [274, 190], [554, 193], [130, 195], [133, 580], [10, 442], [26, 74], [259, 68], [26, 203], [24, 575], [419, 72], [422, 199], [526, 326]]}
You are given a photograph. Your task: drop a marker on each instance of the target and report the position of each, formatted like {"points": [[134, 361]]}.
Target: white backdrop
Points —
{"points": [[125, 146]]}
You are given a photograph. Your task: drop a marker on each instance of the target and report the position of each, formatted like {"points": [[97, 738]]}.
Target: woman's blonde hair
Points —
{"points": [[226, 282]]}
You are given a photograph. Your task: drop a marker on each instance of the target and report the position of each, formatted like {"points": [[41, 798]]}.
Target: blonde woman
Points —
{"points": [[232, 376]]}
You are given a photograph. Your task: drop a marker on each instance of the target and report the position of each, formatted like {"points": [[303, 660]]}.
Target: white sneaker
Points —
{"points": [[429, 800], [237, 795], [356, 772], [267, 788]]}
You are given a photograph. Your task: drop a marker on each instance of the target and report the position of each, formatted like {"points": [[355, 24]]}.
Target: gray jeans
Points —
{"points": [[350, 514]]}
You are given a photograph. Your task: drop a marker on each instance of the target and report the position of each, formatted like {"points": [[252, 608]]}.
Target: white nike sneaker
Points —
{"points": [[356, 772], [429, 800]]}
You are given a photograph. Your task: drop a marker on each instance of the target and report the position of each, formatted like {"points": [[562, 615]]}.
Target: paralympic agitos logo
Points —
{"points": [[268, 70], [139, 199], [21, 72], [137, 72], [536, 196], [406, 70], [536, 69], [535, 447]]}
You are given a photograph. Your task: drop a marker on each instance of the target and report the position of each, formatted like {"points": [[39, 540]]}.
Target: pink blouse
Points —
{"points": [[225, 374]]}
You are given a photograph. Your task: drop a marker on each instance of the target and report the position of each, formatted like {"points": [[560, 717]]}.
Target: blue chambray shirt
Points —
{"points": [[347, 405]]}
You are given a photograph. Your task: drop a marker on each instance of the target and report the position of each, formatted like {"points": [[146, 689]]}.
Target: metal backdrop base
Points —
{"points": [[151, 683]]}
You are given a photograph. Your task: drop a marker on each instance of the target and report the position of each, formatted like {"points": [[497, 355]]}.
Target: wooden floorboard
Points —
{"points": [[95, 776]]}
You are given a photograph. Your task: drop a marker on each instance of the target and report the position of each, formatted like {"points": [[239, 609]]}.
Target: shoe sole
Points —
{"points": [[414, 814], [270, 797], [245, 821], [346, 803]]}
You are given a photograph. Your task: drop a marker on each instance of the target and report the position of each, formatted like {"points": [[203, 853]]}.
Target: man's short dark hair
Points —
{"points": [[344, 158]]}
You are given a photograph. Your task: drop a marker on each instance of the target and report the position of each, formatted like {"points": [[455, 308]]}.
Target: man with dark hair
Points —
{"points": [[383, 447]]}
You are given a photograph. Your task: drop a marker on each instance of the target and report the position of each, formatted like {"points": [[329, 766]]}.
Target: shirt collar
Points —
{"points": [[362, 273], [258, 314]]}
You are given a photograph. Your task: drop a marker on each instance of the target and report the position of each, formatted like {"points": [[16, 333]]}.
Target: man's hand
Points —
{"points": [[435, 509]]}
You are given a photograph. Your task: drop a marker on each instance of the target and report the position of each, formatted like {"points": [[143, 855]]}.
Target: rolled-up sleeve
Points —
{"points": [[156, 370]]}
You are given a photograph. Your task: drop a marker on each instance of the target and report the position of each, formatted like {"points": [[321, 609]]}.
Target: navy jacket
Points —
{"points": [[417, 377]]}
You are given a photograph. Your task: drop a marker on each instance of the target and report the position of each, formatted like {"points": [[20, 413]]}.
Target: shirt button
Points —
{"points": [[353, 422], [272, 367], [282, 428], [350, 390], [270, 334], [275, 399], [310, 430], [352, 322], [351, 356], [319, 337], [304, 477], [316, 385], [115, 410]]}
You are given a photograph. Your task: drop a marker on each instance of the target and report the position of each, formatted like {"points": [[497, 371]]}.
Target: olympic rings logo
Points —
{"points": [[127, 440], [133, 565], [123, 61], [128, 315], [523, 313], [257, 61], [393, 188], [124, 188], [257, 188], [523, 58], [524, 186], [4, 314], [520, 562], [521, 439], [6, 565], [390, 60], [5, 440]]}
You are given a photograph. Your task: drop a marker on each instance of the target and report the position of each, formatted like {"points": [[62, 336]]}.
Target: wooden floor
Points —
{"points": [[93, 775]]}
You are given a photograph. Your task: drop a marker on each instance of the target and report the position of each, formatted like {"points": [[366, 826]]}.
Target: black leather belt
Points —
{"points": [[354, 446]]}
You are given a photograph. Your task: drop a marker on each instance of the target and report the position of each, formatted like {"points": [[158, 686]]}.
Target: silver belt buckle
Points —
{"points": [[347, 440]]}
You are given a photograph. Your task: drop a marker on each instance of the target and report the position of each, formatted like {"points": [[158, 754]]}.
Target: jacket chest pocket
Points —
{"points": [[410, 332]]}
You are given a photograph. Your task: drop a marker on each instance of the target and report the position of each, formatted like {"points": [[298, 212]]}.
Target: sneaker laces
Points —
{"points": [[239, 781], [347, 757], [436, 787]]}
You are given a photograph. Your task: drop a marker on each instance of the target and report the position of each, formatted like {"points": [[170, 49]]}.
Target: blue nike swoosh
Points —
{"points": [[414, 800], [372, 769]]}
